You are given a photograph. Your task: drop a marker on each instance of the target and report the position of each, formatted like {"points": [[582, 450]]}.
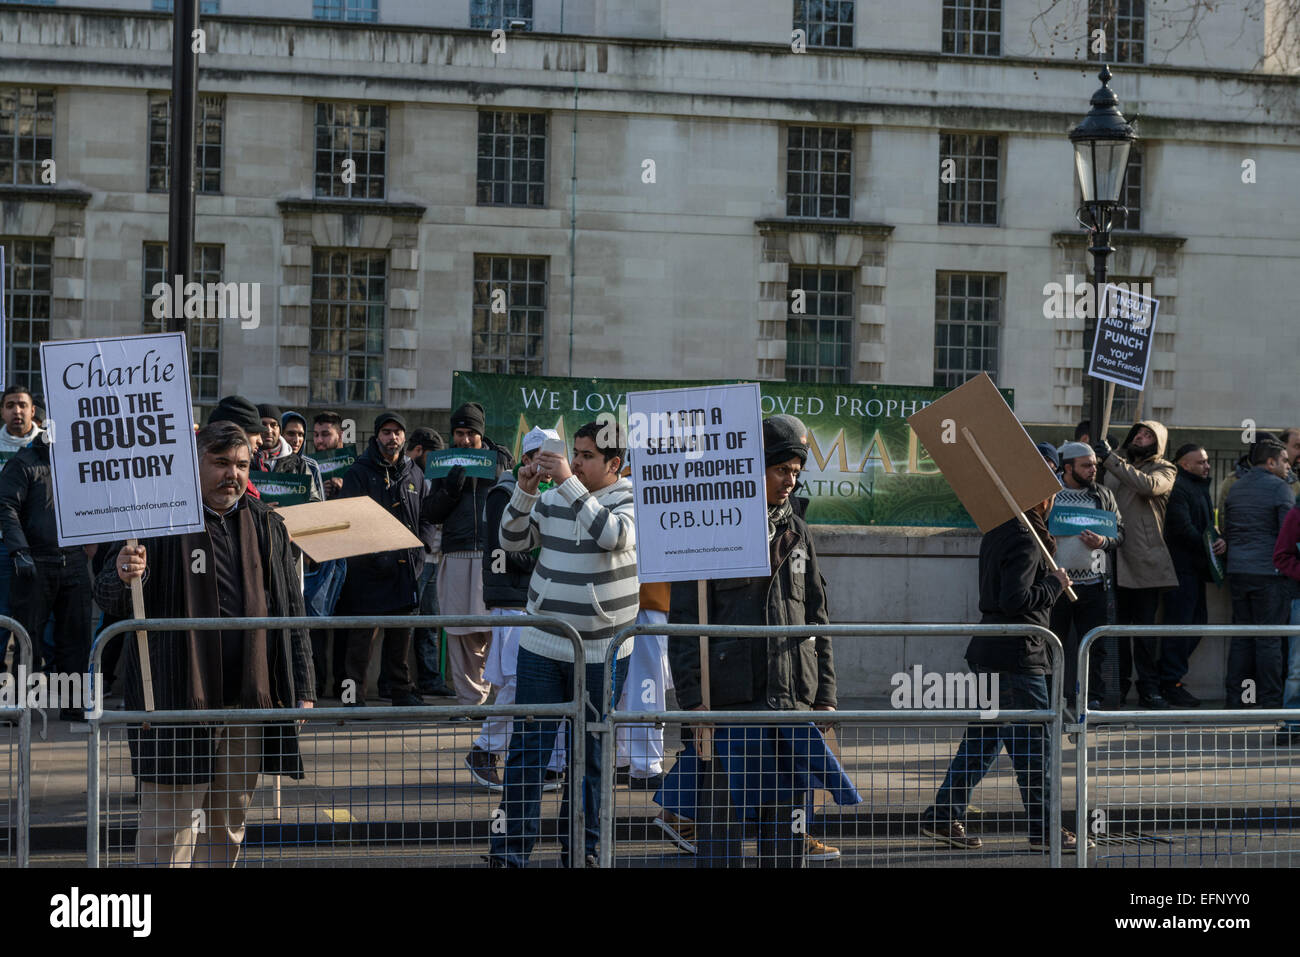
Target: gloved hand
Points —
{"points": [[24, 567], [455, 480], [1102, 449]]}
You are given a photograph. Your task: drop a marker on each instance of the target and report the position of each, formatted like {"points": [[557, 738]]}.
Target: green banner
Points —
{"points": [[865, 466], [334, 462], [477, 463], [281, 488]]}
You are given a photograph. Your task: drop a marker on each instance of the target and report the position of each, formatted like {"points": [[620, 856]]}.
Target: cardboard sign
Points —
{"points": [[1121, 349], [477, 463], [1073, 520], [977, 406], [344, 527], [122, 453], [281, 488], [334, 462], [698, 479]]}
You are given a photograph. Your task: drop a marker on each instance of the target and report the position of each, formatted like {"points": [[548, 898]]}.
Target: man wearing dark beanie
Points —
{"points": [[274, 447], [240, 411]]}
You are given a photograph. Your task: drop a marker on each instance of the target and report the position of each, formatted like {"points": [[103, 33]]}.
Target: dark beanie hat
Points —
{"points": [[389, 416], [469, 416], [237, 409], [784, 438], [269, 411], [426, 438]]}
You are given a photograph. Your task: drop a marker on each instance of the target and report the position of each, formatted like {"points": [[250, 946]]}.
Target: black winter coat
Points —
{"points": [[385, 581], [507, 588], [27, 502], [460, 511], [781, 674], [1016, 587], [1189, 513]]}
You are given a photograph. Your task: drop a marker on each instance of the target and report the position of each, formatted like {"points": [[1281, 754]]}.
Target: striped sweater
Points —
{"points": [[586, 571]]}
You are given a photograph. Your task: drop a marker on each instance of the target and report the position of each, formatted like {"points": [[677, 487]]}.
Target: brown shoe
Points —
{"points": [[815, 850], [483, 769], [1069, 843], [954, 834]]}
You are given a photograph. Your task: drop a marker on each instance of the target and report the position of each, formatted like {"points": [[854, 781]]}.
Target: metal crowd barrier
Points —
{"points": [[15, 753], [885, 828], [1189, 788], [381, 786]]}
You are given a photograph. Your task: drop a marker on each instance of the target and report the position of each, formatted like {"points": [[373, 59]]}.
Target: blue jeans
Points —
{"points": [[1026, 746], [542, 680], [1291, 691]]}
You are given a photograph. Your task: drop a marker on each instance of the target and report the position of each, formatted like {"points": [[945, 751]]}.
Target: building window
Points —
{"points": [[349, 294], [973, 27], [967, 318], [209, 135], [509, 314], [351, 131], [357, 11], [1124, 24], [1130, 196], [501, 14], [819, 341], [825, 23], [819, 172], [968, 179], [206, 7], [204, 333], [511, 159], [28, 294], [26, 134]]}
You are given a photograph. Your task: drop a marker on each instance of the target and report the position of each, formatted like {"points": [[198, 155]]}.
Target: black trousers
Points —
{"points": [[1138, 606], [1071, 620], [61, 589], [395, 669], [1184, 605], [1257, 600]]}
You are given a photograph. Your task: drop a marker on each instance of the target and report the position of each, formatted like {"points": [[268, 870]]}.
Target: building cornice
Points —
{"points": [[1155, 240], [768, 227], [352, 206], [44, 194]]}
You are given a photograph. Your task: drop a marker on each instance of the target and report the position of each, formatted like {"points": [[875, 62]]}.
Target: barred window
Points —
{"points": [[357, 11], [819, 342], [26, 134], [1124, 23], [967, 320], [826, 23], [204, 333], [972, 27], [1130, 196], [351, 131], [819, 172], [349, 296], [209, 136], [500, 14], [206, 7], [511, 159], [971, 163], [509, 331], [29, 284]]}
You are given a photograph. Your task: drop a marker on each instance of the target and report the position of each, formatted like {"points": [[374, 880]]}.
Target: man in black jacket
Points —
{"points": [[48, 581], [384, 583], [1189, 515]]}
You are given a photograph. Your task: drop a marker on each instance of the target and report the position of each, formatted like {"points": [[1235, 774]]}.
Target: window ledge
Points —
{"points": [[1122, 238], [769, 226], [44, 194], [372, 206]]}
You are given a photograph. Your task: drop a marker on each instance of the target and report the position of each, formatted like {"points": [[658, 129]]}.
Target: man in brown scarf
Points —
{"points": [[199, 779]]}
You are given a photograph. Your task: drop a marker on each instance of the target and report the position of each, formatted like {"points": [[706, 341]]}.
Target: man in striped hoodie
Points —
{"points": [[585, 575]]}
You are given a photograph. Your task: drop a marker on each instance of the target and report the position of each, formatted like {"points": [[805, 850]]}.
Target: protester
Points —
{"points": [[1286, 558], [1189, 516], [274, 447], [1083, 432], [384, 583], [506, 575], [456, 502], [326, 436], [428, 667], [293, 427], [1089, 560], [1141, 479], [20, 428], [1253, 515], [759, 771], [1048, 451], [586, 576], [639, 748], [293, 461], [50, 582], [237, 409], [196, 781], [1016, 587]]}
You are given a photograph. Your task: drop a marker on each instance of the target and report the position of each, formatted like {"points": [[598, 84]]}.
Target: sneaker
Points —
{"points": [[482, 768], [553, 781], [408, 699], [815, 850], [1154, 701], [1069, 843], [436, 689], [954, 834], [679, 830], [1178, 696]]}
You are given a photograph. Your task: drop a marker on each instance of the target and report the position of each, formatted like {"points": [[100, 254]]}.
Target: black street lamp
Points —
{"points": [[1101, 147]]}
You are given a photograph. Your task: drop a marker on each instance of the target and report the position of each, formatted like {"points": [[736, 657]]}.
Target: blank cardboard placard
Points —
{"points": [[978, 406], [344, 527]]}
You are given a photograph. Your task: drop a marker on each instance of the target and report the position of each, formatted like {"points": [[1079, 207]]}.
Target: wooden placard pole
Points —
{"points": [[703, 733], [1011, 503], [141, 637], [1105, 412]]}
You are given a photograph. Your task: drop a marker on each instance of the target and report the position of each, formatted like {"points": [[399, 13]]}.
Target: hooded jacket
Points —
{"points": [[1189, 514], [460, 510], [385, 581], [1142, 492]]}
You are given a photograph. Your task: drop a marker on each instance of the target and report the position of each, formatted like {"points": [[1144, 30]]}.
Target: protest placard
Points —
{"points": [[343, 527], [477, 463], [334, 462], [1074, 519], [1121, 348], [281, 488]]}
